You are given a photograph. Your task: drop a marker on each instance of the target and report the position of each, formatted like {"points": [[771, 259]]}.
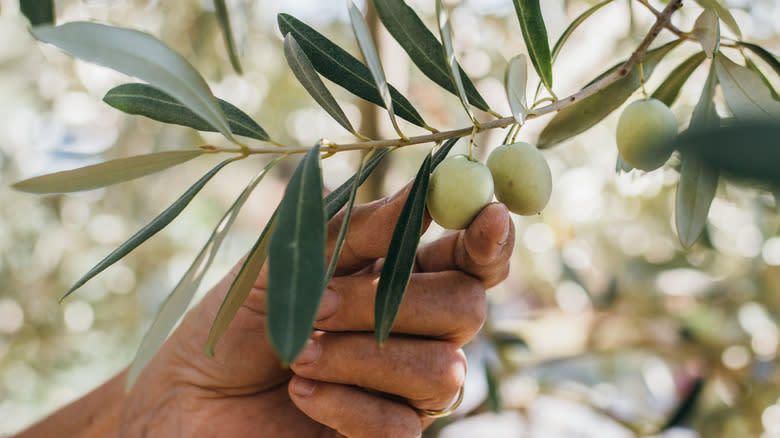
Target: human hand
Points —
{"points": [[343, 384]]}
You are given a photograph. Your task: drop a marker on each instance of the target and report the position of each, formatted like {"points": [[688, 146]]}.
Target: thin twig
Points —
{"points": [[672, 28], [661, 22]]}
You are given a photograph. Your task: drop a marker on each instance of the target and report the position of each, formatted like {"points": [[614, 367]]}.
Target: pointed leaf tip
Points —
{"points": [[141, 55]]}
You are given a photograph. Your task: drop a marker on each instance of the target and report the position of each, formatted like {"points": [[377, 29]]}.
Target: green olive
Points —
{"points": [[522, 177], [645, 132], [460, 187]]}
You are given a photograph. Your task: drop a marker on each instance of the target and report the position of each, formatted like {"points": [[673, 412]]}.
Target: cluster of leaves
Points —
{"points": [[293, 241]]}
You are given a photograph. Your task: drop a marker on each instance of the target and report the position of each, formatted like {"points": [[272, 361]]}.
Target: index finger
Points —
{"points": [[370, 231]]}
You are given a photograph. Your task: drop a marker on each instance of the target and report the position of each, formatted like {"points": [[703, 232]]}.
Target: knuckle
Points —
{"points": [[450, 372]]}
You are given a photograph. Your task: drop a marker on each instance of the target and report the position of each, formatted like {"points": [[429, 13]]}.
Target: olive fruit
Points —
{"points": [[644, 134], [460, 187], [521, 176]]}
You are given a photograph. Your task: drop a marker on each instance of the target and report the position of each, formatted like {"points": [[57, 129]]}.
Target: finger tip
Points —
{"points": [[493, 222]]}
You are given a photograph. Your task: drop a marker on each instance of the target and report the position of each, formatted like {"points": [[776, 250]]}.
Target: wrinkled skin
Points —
{"points": [[343, 384]]}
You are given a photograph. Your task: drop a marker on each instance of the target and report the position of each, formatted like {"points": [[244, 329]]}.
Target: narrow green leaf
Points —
{"points": [[106, 173], [338, 197], [442, 152], [698, 182], [253, 264], [368, 48], [179, 299], [515, 81], [695, 192], [569, 31], [334, 63], [573, 26], [241, 287], [743, 149], [141, 55], [303, 69], [529, 13], [764, 54], [669, 90], [706, 30], [150, 229], [334, 259], [397, 269], [423, 48], [145, 100], [582, 115], [223, 17], [753, 67], [296, 266], [723, 13], [38, 11], [449, 54], [746, 93]]}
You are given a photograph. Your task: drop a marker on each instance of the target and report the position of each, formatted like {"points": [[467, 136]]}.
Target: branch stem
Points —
{"points": [[662, 21]]}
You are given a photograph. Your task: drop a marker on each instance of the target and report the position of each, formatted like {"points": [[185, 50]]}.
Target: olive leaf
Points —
{"points": [[141, 55], [582, 115], [449, 53], [723, 13], [177, 302], [38, 11], [334, 63], [241, 287], [515, 81], [106, 173], [423, 48], [707, 31], [150, 229], [569, 31], [367, 47], [743, 149], [250, 269], [296, 262], [698, 181], [145, 100], [753, 67], [669, 90], [747, 96], [529, 13], [223, 17], [303, 69], [397, 269], [762, 53]]}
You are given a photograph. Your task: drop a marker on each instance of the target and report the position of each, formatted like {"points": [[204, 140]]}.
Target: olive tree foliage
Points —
{"points": [[172, 91]]}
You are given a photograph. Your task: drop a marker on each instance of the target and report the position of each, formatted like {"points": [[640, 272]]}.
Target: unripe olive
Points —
{"points": [[645, 132], [521, 176], [460, 187]]}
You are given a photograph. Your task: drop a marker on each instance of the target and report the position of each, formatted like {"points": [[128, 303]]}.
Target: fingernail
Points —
{"points": [[303, 387], [328, 305], [310, 353]]}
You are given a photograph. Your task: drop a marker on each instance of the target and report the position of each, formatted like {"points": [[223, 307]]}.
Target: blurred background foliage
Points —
{"points": [[606, 327]]}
